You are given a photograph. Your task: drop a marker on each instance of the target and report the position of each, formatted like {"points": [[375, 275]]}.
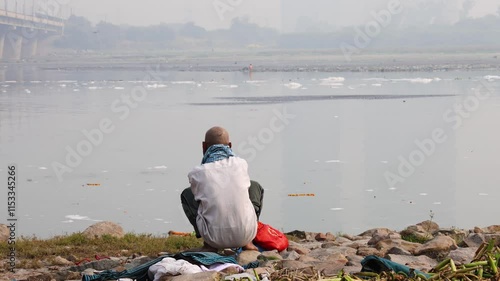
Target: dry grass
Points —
{"points": [[80, 246]]}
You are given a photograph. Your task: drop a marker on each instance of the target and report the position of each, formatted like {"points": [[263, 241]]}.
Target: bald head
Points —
{"points": [[216, 135]]}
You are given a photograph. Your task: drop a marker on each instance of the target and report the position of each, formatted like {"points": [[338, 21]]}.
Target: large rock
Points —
{"points": [[422, 231], [331, 268], [474, 240], [324, 254], [439, 247], [422, 263], [463, 255], [375, 231], [494, 236], [202, 276], [104, 228], [385, 245], [4, 233], [492, 229], [247, 257]]}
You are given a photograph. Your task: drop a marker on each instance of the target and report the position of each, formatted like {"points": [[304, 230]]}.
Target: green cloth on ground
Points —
{"points": [[377, 264], [205, 258]]}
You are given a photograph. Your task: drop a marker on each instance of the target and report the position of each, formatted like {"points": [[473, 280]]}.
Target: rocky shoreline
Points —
{"points": [[311, 254]]}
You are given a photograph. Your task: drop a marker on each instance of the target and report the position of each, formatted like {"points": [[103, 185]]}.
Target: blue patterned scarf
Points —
{"points": [[217, 152]]}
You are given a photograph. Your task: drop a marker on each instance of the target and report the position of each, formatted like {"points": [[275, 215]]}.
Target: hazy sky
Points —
{"points": [[279, 14]]}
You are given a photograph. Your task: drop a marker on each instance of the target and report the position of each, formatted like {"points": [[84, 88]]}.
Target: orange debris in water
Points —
{"points": [[93, 184], [301, 194]]}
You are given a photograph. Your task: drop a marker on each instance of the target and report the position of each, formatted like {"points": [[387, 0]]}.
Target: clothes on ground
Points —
{"points": [[226, 217], [204, 262], [205, 258], [171, 266], [377, 264], [217, 152]]}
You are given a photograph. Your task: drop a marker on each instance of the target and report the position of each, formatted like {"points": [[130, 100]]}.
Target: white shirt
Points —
{"points": [[226, 217]]}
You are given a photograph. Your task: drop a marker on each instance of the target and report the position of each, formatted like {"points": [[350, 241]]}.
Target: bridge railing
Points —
{"points": [[29, 20]]}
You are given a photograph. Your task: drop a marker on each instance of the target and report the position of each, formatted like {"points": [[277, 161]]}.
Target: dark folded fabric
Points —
{"points": [[377, 264], [205, 258], [139, 273]]}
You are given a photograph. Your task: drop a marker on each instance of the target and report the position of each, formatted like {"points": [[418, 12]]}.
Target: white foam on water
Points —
{"points": [[160, 167], [491, 77], [42, 168], [27, 91], [77, 217], [94, 88], [332, 81], [336, 209], [255, 81], [11, 81], [156, 86], [158, 219], [384, 161], [377, 85], [76, 90], [4, 91], [150, 189], [62, 85], [228, 86], [392, 188], [67, 81], [483, 194], [377, 79], [183, 82], [336, 116], [437, 203], [119, 88], [369, 190], [68, 221], [415, 80], [333, 161], [293, 85], [36, 81], [423, 194]]}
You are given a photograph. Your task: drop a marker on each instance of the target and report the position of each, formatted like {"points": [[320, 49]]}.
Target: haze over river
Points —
{"points": [[376, 149]]}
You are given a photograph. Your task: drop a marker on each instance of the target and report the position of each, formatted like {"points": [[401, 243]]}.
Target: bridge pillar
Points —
{"points": [[29, 48], [2, 42], [12, 46]]}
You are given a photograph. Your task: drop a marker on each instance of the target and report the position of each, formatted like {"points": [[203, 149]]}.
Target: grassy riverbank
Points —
{"points": [[79, 246]]}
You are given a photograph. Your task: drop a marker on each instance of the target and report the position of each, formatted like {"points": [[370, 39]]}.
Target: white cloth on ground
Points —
{"points": [[172, 266]]}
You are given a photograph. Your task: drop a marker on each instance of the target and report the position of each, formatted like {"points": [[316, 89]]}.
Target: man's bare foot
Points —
{"points": [[250, 247], [208, 248], [205, 248]]}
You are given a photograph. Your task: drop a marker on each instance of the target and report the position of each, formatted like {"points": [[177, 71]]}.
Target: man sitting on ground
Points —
{"points": [[222, 204]]}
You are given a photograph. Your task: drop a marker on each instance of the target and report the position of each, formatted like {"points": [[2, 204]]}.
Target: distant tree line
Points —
{"points": [[81, 34]]}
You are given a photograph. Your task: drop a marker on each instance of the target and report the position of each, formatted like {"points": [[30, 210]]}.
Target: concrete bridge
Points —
{"points": [[20, 34]]}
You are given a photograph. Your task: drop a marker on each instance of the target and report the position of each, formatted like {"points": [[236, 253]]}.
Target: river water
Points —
{"points": [[363, 150]]}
